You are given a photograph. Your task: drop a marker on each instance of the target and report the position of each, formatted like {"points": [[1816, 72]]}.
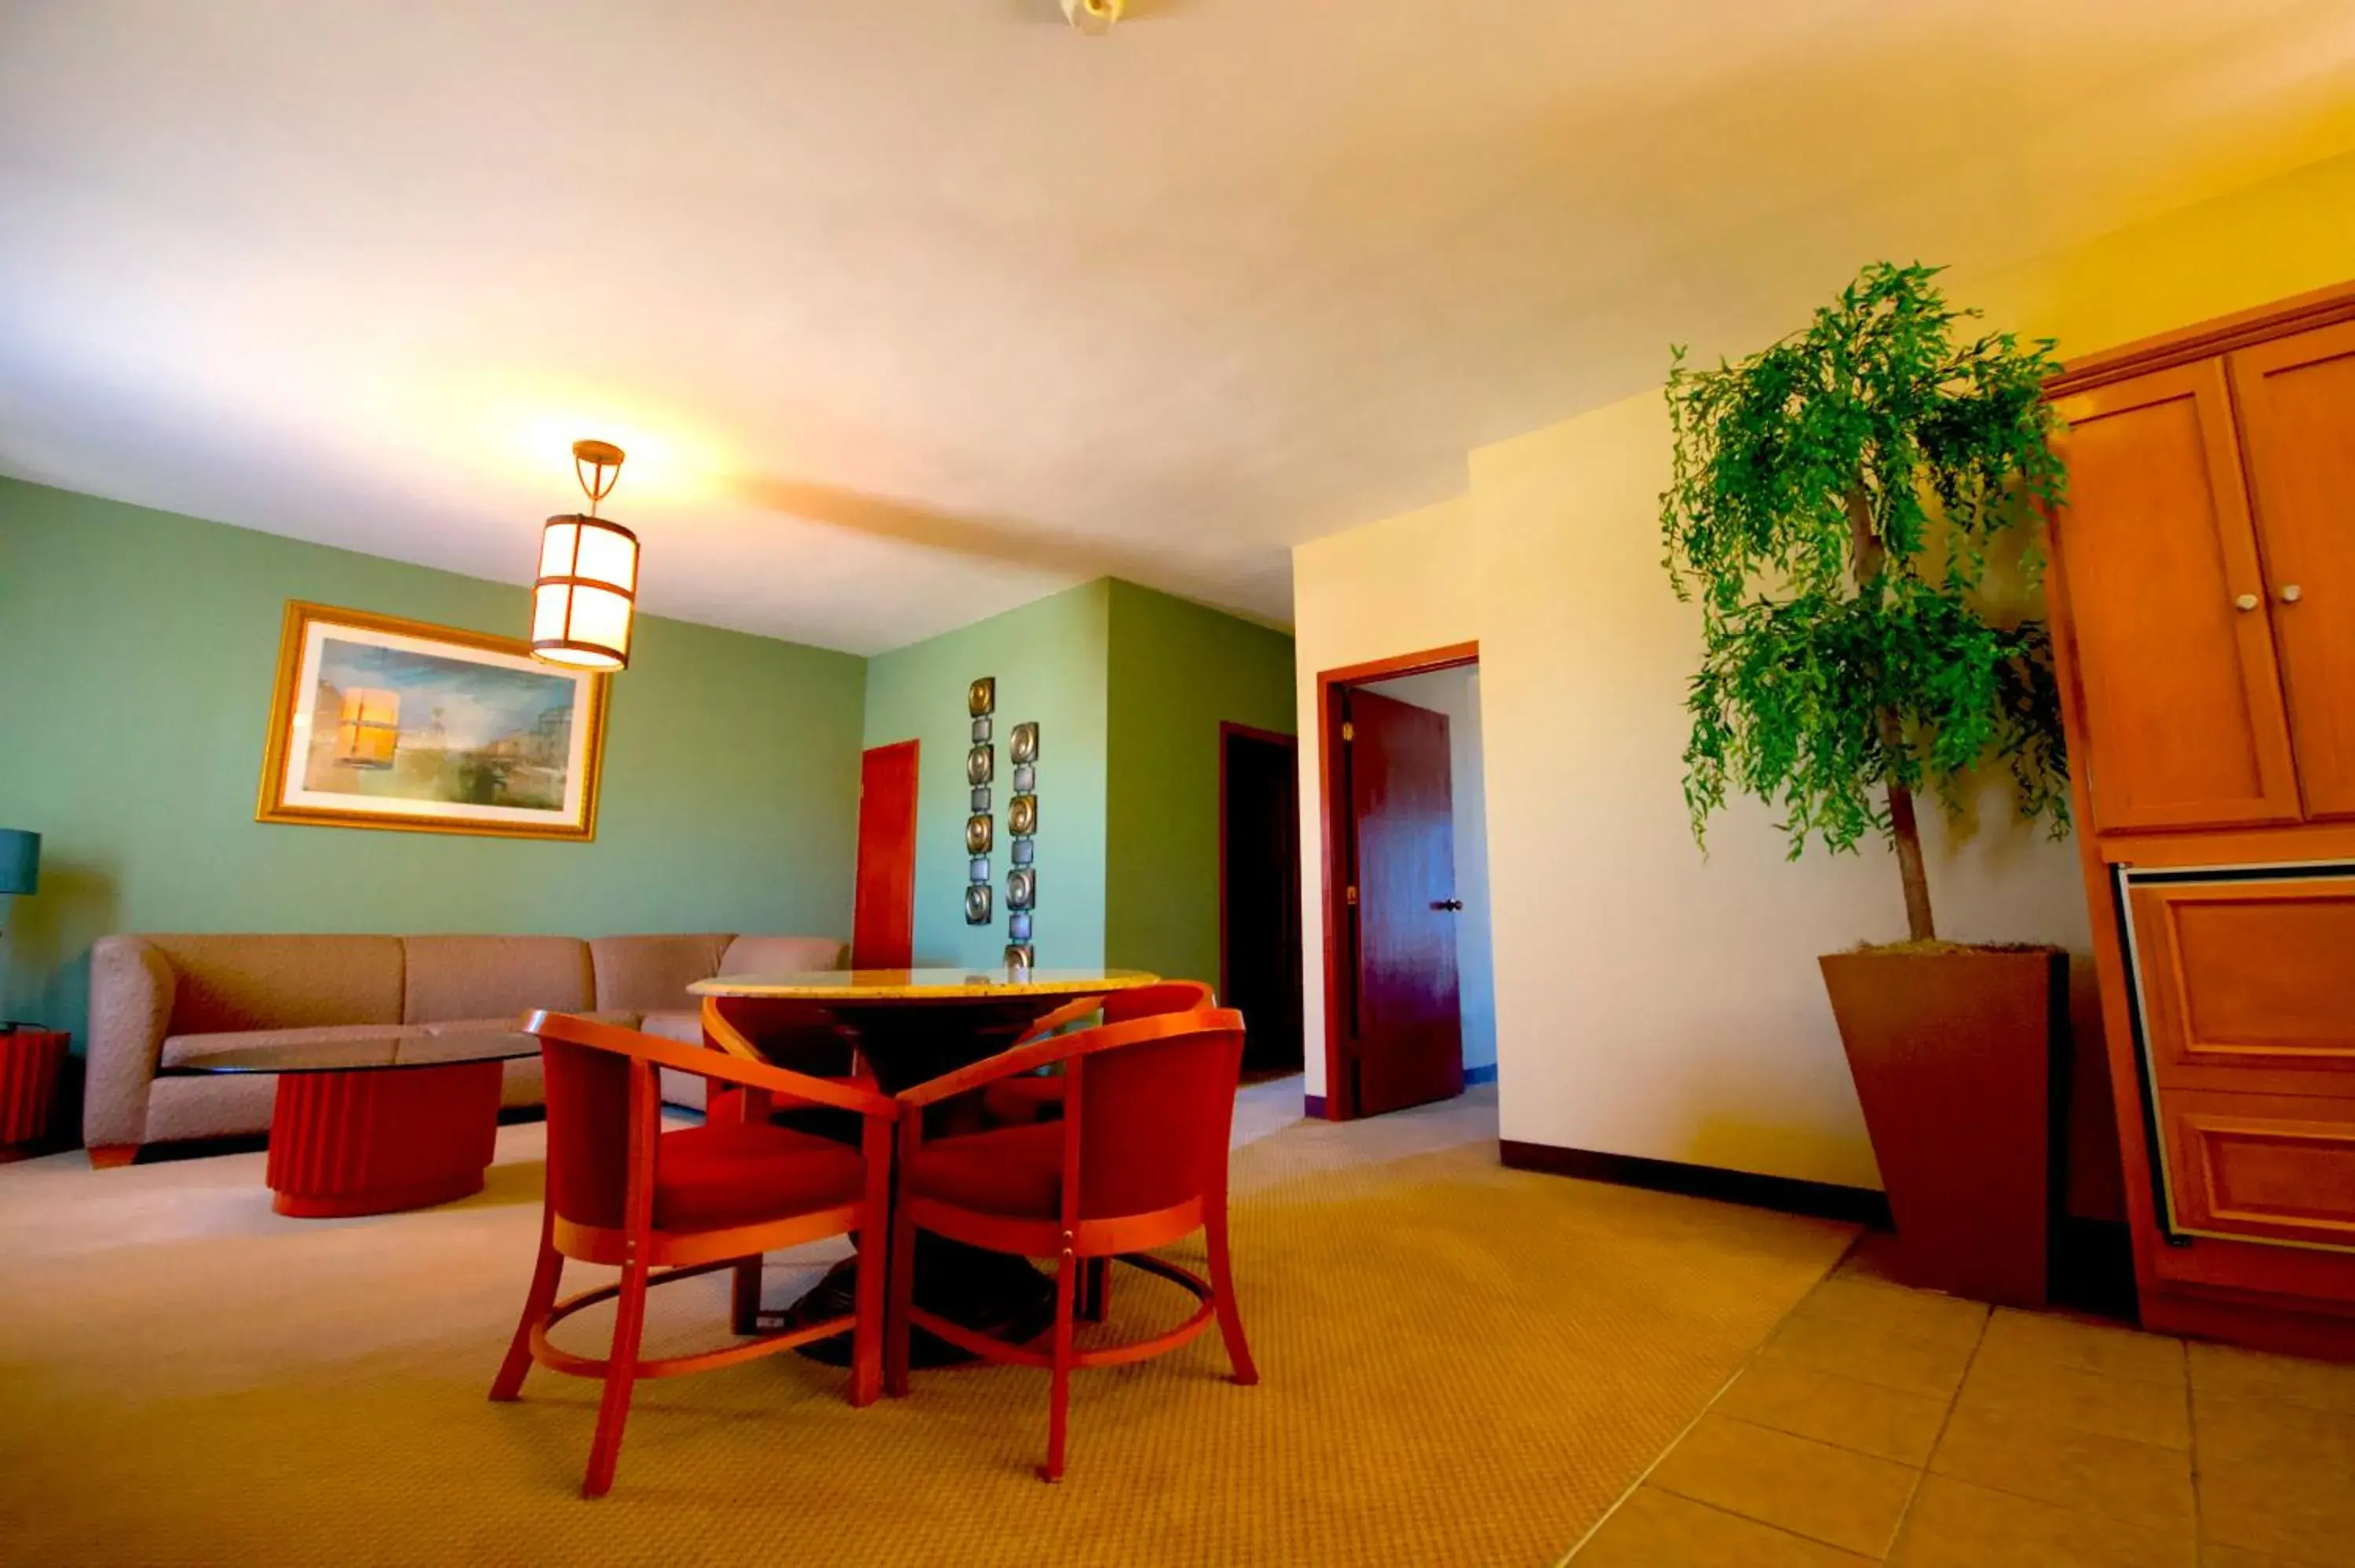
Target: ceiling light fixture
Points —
{"points": [[1093, 17], [586, 591]]}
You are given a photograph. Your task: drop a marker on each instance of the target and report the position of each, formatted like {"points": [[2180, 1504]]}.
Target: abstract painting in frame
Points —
{"points": [[377, 722]]}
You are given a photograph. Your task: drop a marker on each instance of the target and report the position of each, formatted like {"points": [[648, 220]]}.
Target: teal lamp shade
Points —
{"points": [[20, 861]]}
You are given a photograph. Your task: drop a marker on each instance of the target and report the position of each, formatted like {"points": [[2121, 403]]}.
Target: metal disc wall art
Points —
{"points": [[980, 828], [1022, 828]]}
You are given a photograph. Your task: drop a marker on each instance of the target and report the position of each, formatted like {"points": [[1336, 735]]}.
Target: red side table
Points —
{"points": [[30, 1062]]}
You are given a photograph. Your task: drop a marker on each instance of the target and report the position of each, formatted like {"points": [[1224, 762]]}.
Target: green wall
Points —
{"points": [[1178, 671], [1049, 660], [134, 702]]}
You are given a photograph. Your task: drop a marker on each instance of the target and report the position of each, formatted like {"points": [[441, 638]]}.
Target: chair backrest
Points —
{"points": [[588, 1111], [1154, 1116], [1150, 1000]]}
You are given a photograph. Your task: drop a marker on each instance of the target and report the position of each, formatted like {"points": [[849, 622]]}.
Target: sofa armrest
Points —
{"points": [[132, 988]]}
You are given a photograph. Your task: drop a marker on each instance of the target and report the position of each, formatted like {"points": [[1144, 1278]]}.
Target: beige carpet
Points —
{"points": [[1462, 1365]]}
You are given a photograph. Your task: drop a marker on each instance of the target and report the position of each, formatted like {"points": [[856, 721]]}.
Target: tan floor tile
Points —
{"points": [[1660, 1529], [1917, 1314], [1846, 1499], [1792, 1397], [1875, 1255], [2214, 1556], [2050, 1339], [2306, 1514], [2138, 1482], [1954, 1524], [2026, 1393], [1870, 1354], [2231, 1373], [2289, 1436]]}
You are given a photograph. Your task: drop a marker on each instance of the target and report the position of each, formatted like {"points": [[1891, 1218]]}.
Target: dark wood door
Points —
{"points": [[883, 924], [1405, 1034], [1260, 895], [2168, 610], [2297, 398]]}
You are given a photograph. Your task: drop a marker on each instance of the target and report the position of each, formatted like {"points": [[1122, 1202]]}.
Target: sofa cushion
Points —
{"points": [[191, 1050], [509, 1020], [451, 978], [782, 955], [686, 1028], [223, 983], [651, 974]]}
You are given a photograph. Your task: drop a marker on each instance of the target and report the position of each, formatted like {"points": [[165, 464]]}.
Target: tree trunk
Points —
{"points": [[1865, 556]]}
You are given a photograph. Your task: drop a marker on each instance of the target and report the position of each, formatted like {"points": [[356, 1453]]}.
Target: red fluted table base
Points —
{"points": [[369, 1142], [30, 1060]]}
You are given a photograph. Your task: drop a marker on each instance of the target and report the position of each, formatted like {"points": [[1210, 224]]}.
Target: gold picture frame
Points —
{"points": [[378, 722]]}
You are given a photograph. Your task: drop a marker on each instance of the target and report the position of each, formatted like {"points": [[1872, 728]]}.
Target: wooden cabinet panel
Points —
{"points": [[2273, 1166], [2167, 609], [2249, 985], [2297, 399]]}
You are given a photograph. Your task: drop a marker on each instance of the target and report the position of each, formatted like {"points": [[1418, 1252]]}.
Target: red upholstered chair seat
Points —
{"points": [[1013, 1102], [1013, 1170], [711, 1177]]}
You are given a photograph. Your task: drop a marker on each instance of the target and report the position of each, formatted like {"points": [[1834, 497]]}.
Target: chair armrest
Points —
{"points": [[131, 988], [722, 1065]]}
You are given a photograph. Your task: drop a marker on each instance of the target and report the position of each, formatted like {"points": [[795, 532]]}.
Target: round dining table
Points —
{"points": [[910, 1026]]}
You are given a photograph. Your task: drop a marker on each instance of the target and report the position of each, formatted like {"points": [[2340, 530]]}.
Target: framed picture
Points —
{"points": [[380, 723]]}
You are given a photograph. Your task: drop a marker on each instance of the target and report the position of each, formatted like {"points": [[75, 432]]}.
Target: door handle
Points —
{"points": [[2291, 593], [1447, 904], [2245, 603]]}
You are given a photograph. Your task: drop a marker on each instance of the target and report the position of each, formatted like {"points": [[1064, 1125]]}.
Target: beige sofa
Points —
{"points": [[159, 1002]]}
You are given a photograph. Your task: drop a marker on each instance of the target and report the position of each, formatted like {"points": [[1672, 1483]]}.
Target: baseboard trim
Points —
{"points": [[1313, 1106], [1786, 1194], [1476, 1077]]}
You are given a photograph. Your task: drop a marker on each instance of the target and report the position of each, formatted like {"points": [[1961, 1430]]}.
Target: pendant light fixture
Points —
{"points": [[586, 591]]}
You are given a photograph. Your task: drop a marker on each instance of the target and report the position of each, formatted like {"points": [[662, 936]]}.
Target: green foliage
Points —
{"points": [[1833, 503]]}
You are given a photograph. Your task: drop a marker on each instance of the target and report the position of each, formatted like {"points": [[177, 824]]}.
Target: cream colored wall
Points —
{"points": [[1399, 585], [1652, 1001]]}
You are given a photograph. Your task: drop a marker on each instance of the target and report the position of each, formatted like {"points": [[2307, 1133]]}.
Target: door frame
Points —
{"points": [[1228, 728], [1333, 811]]}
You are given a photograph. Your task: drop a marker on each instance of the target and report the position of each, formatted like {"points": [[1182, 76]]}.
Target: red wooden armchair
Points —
{"points": [[1029, 1097], [1138, 1160], [666, 1206]]}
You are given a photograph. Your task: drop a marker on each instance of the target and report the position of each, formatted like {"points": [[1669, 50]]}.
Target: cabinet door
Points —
{"points": [[2297, 410], [2248, 985], [2167, 609], [2266, 1167]]}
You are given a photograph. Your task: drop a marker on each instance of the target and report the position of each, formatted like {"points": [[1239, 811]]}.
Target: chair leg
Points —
{"points": [[877, 1242], [745, 1297], [1059, 1407], [1223, 1287], [1096, 1290], [620, 1372], [536, 1301], [900, 1297]]}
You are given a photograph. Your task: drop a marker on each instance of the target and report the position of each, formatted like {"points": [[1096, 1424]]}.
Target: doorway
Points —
{"points": [[1410, 1016], [1259, 893]]}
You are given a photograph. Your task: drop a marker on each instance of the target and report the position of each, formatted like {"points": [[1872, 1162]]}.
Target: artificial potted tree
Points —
{"points": [[1834, 502]]}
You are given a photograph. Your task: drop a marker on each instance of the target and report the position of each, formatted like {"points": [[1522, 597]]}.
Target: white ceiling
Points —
{"points": [[910, 311]]}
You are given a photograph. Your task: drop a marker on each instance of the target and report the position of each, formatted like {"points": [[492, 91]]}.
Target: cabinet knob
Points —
{"points": [[2291, 593], [2247, 601]]}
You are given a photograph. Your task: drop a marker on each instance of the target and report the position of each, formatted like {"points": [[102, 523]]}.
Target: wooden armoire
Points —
{"points": [[2203, 609]]}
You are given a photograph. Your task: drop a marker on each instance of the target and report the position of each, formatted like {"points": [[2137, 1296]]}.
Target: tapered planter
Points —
{"points": [[1954, 1050]]}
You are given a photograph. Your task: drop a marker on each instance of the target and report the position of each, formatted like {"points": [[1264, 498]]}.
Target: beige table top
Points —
{"points": [[923, 985]]}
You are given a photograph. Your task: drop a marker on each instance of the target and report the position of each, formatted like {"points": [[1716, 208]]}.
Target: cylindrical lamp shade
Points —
{"points": [[20, 861], [586, 593]]}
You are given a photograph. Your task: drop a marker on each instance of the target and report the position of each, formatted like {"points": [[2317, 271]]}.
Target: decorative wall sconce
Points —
{"points": [[586, 594], [1022, 825], [980, 828]]}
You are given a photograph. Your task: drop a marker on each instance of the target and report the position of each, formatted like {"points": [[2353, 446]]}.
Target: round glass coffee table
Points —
{"points": [[377, 1123]]}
